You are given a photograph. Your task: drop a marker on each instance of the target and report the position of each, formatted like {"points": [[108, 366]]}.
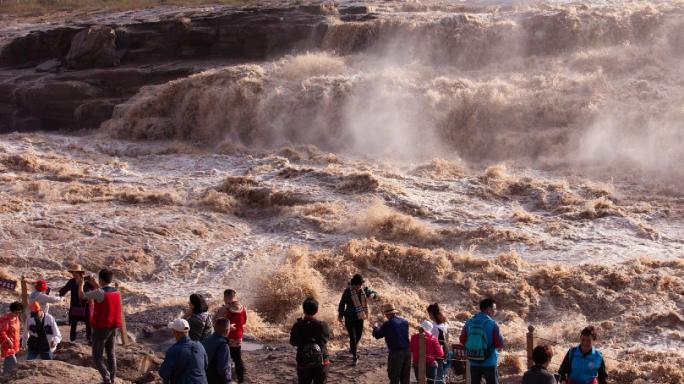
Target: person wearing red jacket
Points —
{"points": [[106, 320], [237, 314], [433, 351], [9, 337]]}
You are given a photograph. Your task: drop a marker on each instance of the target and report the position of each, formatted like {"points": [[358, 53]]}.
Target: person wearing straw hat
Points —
{"points": [[41, 335], [79, 310], [41, 294], [395, 331], [186, 361], [433, 351]]}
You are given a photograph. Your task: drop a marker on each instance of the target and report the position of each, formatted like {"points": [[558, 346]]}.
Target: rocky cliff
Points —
{"points": [[71, 75]]}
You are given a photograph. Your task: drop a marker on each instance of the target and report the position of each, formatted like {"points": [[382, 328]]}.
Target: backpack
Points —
{"points": [[312, 355], [476, 346]]}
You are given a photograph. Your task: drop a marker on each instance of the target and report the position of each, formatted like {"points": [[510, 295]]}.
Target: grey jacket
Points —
{"points": [[201, 326], [538, 375]]}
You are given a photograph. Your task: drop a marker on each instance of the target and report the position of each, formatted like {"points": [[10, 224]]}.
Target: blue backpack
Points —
{"points": [[477, 347]]}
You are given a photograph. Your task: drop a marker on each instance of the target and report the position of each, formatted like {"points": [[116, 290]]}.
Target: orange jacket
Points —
{"points": [[9, 335]]}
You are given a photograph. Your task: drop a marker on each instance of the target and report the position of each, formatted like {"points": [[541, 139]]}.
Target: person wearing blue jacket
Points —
{"points": [[584, 364], [395, 331], [483, 324], [186, 361], [218, 353]]}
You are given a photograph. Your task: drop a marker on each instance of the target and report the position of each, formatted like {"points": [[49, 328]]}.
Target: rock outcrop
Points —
{"points": [[55, 78], [51, 372], [73, 99], [135, 362], [94, 47]]}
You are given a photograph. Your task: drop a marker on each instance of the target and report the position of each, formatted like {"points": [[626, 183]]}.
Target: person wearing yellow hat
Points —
{"points": [[41, 334]]}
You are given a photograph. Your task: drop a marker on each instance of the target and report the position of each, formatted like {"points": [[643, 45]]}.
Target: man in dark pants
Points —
{"points": [[311, 336], [396, 333], [353, 309], [539, 374], [218, 353], [236, 313], [483, 332], [106, 320]]}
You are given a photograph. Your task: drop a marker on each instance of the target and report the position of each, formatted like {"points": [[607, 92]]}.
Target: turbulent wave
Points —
{"points": [[547, 85]]}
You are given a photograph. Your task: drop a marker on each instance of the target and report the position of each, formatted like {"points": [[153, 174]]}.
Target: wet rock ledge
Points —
{"points": [[71, 75]]}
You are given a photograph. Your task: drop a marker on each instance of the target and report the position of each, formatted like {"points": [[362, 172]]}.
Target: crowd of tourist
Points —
{"points": [[208, 344]]}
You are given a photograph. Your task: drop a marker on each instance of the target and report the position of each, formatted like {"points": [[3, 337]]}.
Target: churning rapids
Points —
{"points": [[446, 150]]}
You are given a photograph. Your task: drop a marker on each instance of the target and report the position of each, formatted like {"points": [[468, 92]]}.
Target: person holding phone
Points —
{"points": [[79, 310]]}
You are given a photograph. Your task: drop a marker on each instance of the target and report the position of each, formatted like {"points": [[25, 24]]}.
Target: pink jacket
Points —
{"points": [[433, 350]]}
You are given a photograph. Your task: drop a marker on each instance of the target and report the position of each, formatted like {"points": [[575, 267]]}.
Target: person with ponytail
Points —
{"points": [[440, 330]]}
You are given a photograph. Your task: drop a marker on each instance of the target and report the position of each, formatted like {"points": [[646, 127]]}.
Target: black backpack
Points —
{"points": [[312, 355]]}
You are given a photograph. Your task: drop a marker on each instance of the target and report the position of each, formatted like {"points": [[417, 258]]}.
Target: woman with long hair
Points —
{"points": [[201, 323], [440, 330]]}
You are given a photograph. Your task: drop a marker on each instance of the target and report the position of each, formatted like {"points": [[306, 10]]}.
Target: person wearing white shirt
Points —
{"points": [[41, 335], [42, 296], [441, 332]]}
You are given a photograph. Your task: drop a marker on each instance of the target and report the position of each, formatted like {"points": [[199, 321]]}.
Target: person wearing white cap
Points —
{"points": [[433, 351], [186, 361]]}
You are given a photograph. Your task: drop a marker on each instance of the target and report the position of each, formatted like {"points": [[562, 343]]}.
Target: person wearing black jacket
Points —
{"points": [[79, 310], [311, 336], [353, 309], [538, 373]]}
